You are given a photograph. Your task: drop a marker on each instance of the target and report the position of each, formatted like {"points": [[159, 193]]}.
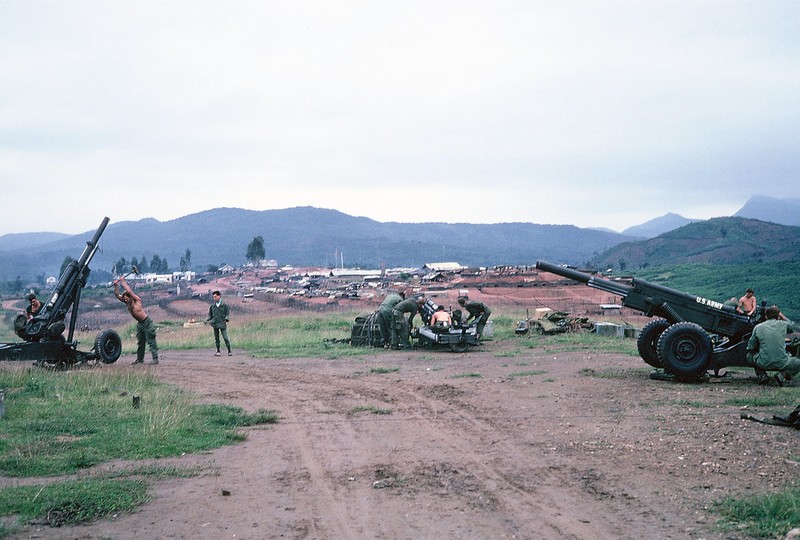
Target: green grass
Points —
{"points": [[769, 515], [71, 502], [284, 337], [507, 354], [61, 422], [692, 404], [769, 397], [612, 373], [384, 369], [571, 342], [524, 374], [58, 423], [467, 376], [370, 409]]}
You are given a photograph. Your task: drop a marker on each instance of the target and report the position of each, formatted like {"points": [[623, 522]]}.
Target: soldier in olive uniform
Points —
{"points": [[385, 315], [401, 327], [477, 311], [218, 317], [767, 348]]}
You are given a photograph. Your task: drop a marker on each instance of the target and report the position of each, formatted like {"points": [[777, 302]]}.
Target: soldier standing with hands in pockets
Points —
{"points": [[218, 317]]}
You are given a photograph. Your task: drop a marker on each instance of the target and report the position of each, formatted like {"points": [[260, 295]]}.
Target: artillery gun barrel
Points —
{"points": [[91, 245], [67, 281], [66, 294], [620, 289]]}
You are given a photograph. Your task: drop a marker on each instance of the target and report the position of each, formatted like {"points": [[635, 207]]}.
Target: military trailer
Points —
{"points": [[365, 331], [43, 335], [457, 337], [690, 334]]}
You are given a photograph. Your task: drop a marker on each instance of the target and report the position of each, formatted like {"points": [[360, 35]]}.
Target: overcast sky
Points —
{"points": [[593, 113]]}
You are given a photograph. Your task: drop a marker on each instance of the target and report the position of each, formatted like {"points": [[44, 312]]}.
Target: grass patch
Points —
{"points": [[608, 373], [571, 342], [467, 376], [519, 374], [298, 336], [61, 422], [384, 369], [693, 404], [370, 409], [72, 502], [507, 354], [761, 516], [773, 397], [156, 471]]}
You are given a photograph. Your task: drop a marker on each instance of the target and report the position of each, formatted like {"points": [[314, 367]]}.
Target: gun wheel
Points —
{"points": [[685, 350], [647, 342], [459, 347], [108, 346]]}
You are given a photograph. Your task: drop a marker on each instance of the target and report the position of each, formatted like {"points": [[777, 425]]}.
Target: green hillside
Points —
{"points": [[729, 240], [775, 283]]}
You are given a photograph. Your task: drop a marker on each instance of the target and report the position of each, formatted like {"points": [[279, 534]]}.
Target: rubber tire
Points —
{"points": [[647, 342], [108, 346], [685, 350], [459, 347]]}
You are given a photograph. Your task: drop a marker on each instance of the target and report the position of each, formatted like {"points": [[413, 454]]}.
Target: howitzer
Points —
{"points": [[43, 336], [691, 334]]}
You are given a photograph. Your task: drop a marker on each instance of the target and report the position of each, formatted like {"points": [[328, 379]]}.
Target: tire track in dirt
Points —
{"points": [[542, 490], [529, 505], [461, 458], [443, 424]]}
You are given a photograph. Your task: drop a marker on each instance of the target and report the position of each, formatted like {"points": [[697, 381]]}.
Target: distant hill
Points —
{"points": [[659, 225], [715, 241], [782, 211], [307, 236], [13, 241]]}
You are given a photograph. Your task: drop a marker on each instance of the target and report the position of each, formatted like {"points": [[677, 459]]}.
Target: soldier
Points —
{"points": [[441, 320], [747, 303], [401, 326], [767, 348], [145, 329], [218, 317], [477, 311], [385, 315], [33, 308]]}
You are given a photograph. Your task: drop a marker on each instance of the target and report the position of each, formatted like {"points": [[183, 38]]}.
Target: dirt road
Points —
{"points": [[492, 443]]}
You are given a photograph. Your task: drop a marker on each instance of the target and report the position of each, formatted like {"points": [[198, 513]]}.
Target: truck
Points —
{"points": [[42, 335], [689, 335]]}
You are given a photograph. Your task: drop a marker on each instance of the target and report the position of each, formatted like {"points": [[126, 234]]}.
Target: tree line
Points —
{"points": [[156, 264]]}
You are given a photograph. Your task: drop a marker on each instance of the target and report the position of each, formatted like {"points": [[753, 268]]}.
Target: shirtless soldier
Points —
{"points": [[145, 329], [747, 303]]}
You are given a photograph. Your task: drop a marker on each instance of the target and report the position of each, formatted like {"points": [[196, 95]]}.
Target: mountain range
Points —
{"points": [[307, 236]]}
